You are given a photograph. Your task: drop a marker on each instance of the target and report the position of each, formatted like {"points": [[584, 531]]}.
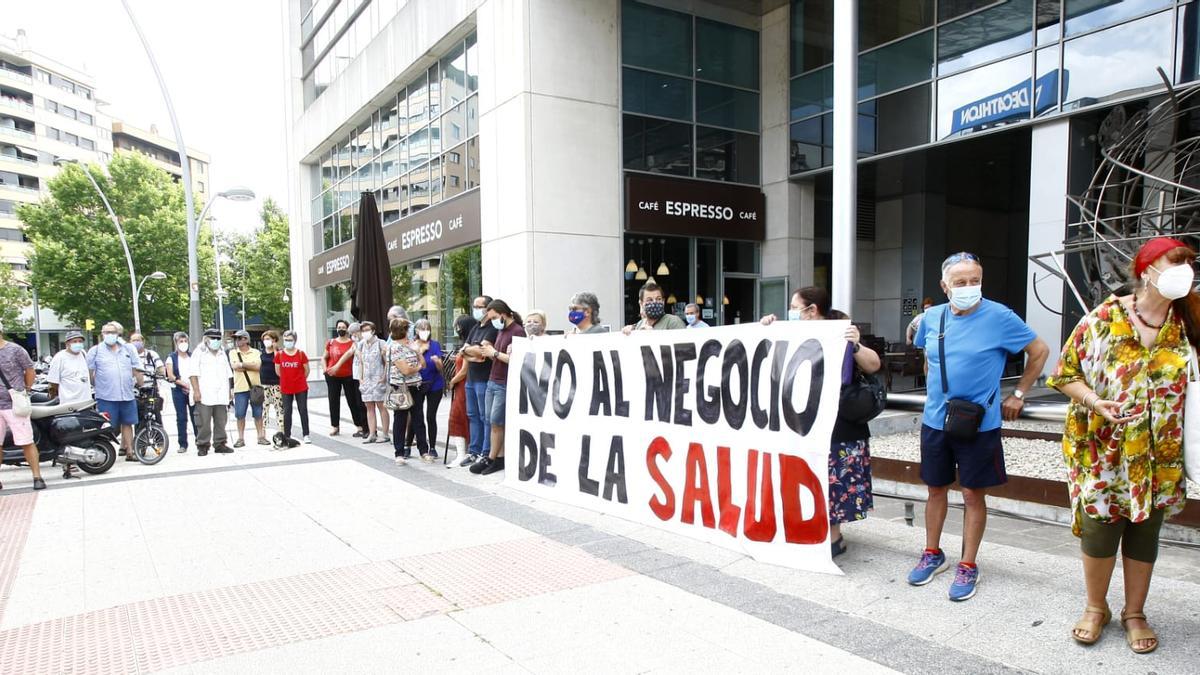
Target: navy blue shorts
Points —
{"points": [[120, 413], [979, 462]]}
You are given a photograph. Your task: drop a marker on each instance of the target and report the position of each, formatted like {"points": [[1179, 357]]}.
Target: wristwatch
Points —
{"points": [[1019, 394]]}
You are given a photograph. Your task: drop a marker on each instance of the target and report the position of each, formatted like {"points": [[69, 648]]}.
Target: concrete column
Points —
{"points": [[550, 180], [1047, 228], [788, 249]]}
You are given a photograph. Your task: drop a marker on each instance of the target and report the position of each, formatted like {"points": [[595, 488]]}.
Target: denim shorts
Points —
{"points": [[494, 403], [241, 401], [120, 413]]}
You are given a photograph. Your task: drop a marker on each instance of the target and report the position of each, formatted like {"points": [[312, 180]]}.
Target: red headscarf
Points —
{"points": [[1153, 250]]}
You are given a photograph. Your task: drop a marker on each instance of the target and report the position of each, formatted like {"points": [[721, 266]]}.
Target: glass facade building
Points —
{"points": [[607, 143]]}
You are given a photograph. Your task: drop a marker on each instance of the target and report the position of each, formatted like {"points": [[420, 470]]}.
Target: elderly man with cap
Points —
{"points": [[246, 362], [68, 376], [210, 374]]}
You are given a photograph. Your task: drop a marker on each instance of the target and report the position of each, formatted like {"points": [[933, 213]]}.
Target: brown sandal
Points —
{"points": [[1096, 628], [1133, 635]]}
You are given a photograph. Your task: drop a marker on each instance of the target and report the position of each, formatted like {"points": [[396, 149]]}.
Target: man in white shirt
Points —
{"points": [[69, 379], [210, 373]]}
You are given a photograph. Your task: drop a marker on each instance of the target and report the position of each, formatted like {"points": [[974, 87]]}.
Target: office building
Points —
{"points": [[163, 153], [534, 148]]}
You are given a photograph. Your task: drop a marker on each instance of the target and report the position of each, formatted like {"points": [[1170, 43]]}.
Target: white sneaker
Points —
{"points": [[308, 440], [400, 461]]}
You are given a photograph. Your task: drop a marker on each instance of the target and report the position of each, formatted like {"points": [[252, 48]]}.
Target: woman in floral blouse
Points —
{"points": [[1125, 368]]}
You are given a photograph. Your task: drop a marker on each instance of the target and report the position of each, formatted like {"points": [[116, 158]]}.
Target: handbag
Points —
{"points": [[21, 407], [257, 394], [963, 417], [398, 398], [862, 399], [1191, 419]]}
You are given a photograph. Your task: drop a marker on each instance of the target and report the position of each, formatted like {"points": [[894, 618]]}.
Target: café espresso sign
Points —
{"points": [[448, 225], [692, 208]]}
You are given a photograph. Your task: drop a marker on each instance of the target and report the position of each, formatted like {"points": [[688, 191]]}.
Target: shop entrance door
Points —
{"points": [[740, 300]]}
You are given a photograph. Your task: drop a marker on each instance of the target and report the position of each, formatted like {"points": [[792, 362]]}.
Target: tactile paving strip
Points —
{"points": [[177, 630], [16, 513]]}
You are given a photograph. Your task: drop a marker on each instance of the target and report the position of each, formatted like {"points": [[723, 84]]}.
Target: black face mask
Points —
{"points": [[341, 332]]}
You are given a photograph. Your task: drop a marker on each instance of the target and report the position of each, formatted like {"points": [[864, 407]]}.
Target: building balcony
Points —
{"points": [[13, 76], [25, 136], [19, 192], [22, 165], [13, 103]]}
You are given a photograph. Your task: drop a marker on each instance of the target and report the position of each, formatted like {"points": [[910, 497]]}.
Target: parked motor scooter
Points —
{"points": [[67, 433]]}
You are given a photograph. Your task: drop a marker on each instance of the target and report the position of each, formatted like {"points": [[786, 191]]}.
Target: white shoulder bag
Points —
{"points": [[1191, 419], [21, 406]]}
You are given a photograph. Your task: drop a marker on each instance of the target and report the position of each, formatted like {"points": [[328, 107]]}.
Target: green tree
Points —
{"points": [[78, 264], [14, 297], [262, 262]]}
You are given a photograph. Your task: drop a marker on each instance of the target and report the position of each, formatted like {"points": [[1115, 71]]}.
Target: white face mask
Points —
{"points": [[1176, 281], [966, 297], [795, 314], [367, 335], [423, 334], [268, 343], [183, 347]]}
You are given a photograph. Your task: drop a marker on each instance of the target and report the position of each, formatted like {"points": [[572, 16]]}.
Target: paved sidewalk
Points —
{"points": [[331, 558]]}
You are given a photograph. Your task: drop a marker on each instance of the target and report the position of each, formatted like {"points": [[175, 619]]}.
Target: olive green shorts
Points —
{"points": [[1137, 541]]}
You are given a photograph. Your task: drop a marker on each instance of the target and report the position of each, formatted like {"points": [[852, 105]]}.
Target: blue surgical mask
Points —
{"points": [[576, 317], [498, 324], [76, 347], [794, 314], [110, 339], [288, 344], [966, 297], [478, 313], [139, 345], [690, 318], [214, 344]]}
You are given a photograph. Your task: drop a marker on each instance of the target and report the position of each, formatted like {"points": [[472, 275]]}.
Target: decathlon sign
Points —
{"points": [[1017, 101]]}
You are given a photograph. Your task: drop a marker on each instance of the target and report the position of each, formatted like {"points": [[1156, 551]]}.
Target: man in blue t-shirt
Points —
{"points": [[979, 336]]}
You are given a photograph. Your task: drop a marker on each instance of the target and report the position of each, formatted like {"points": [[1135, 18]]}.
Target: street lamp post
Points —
{"points": [[287, 297], [137, 296], [133, 285]]}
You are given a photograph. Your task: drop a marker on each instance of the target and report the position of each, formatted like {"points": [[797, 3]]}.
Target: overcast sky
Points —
{"points": [[223, 62]]}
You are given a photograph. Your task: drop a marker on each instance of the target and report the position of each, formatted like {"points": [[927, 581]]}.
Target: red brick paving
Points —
{"points": [[181, 629]]}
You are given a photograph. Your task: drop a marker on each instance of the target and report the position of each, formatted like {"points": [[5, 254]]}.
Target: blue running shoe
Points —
{"points": [[965, 581], [930, 566]]}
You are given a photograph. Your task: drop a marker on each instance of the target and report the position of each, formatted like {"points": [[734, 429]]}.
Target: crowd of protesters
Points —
{"points": [[1124, 368]]}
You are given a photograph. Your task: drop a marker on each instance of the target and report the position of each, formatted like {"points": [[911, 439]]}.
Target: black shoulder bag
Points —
{"points": [[963, 417], [257, 395], [863, 398]]}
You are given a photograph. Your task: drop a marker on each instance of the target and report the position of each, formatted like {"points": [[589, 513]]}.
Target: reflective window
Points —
{"points": [[1086, 15], [435, 180], [454, 125], [418, 147], [726, 54], [1097, 65], [1048, 21], [896, 66], [900, 120], [948, 9], [435, 141], [473, 116], [984, 98], [654, 94], [657, 145], [655, 38], [726, 107], [472, 64], [812, 93], [454, 171], [881, 21], [454, 77], [809, 144], [811, 34], [985, 36], [418, 104], [1046, 86], [389, 131], [1187, 44], [726, 155], [435, 92], [418, 189]]}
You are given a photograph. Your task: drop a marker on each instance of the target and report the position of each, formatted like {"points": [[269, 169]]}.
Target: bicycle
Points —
{"points": [[150, 439]]}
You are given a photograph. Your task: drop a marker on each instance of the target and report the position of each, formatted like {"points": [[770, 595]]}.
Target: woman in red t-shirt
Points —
{"points": [[292, 366], [339, 374]]}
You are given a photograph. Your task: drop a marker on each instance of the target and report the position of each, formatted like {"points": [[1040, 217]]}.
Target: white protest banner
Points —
{"points": [[720, 434]]}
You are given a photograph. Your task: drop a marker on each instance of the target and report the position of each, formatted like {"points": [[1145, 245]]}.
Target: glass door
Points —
{"points": [[739, 303], [774, 296]]}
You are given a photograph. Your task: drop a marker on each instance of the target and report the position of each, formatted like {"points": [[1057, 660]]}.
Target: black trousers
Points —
{"points": [[358, 412], [301, 400], [427, 407], [404, 421]]}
